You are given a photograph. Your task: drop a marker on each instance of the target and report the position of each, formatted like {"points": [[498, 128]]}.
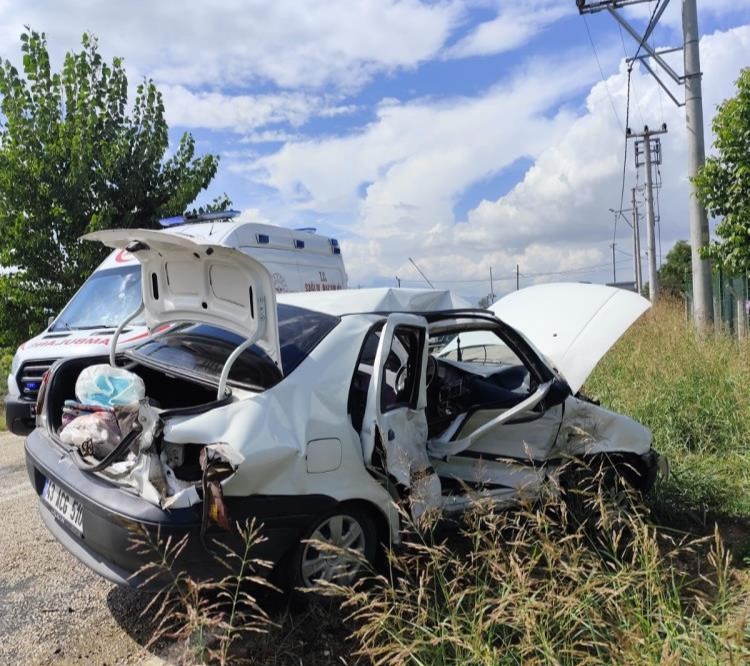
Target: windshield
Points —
{"points": [[104, 300], [202, 349], [484, 347]]}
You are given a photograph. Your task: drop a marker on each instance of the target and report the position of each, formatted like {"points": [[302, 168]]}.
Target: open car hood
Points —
{"points": [[189, 280], [572, 324]]}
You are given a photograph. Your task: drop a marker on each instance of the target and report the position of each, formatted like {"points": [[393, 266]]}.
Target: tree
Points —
{"points": [[486, 301], [676, 270], [723, 184], [75, 158]]}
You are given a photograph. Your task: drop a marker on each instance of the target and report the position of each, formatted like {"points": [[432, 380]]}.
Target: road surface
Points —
{"points": [[54, 610]]}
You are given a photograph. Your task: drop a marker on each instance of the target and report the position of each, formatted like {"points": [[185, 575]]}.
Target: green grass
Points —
{"points": [[535, 586], [694, 394]]}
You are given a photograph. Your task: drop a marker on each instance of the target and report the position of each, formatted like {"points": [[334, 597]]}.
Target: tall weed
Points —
{"points": [[536, 586], [694, 394]]}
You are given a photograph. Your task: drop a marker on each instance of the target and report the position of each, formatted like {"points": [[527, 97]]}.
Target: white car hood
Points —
{"points": [[194, 281], [572, 324]]}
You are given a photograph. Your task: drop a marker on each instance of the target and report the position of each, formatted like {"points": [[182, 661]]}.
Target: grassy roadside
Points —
{"points": [[695, 396]]}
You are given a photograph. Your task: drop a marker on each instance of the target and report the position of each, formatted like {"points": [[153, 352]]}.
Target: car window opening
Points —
{"points": [[467, 372]]}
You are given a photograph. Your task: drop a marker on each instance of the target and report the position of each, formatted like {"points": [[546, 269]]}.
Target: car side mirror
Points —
{"points": [[557, 394]]}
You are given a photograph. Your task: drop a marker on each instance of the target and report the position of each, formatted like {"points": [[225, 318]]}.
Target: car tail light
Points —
{"points": [[41, 414]]}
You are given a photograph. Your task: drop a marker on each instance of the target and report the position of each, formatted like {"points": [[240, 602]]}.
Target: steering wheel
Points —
{"points": [[432, 369]]}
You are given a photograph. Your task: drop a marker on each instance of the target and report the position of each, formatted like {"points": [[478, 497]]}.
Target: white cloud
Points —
{"points": [[293, 43], [244, 113], [400, 177], [514, 25], [415, 159], [565, 195]]}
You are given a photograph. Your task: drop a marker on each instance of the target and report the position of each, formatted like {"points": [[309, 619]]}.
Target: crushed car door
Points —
{"points": [[394, 428]]}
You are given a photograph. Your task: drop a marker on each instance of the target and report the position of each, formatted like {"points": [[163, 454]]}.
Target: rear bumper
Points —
{"points": [[112, 516], [20, 415]]}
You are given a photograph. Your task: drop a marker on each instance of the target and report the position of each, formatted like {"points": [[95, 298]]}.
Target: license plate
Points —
{"points": [[66, 509]]}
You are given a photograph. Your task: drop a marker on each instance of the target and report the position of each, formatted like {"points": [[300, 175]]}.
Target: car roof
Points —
{"points": [[380, 300]]}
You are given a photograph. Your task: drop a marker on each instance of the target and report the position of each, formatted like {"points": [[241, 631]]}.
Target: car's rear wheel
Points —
{"points": [[337, 548]]}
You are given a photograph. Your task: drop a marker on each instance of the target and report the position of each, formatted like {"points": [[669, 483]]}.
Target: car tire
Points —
{"points": [[620, 477], [345, 526]]}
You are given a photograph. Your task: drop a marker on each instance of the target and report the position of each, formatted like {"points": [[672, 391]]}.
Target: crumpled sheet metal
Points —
{"points": [[588, 429]]}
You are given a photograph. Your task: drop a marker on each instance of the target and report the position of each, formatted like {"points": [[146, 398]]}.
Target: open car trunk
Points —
{"points": [[138, 458]]}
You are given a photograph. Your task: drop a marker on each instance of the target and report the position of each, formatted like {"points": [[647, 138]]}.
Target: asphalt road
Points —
{"points": [[53, 609]]}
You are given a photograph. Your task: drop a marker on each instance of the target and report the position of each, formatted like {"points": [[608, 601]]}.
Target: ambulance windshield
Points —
{"points": [[104, 300]]}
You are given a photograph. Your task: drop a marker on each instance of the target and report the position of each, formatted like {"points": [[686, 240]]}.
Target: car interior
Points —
{"points": [[466, 382]]}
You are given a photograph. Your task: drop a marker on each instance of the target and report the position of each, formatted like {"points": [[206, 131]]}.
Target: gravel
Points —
{"points": [[54, 610]]}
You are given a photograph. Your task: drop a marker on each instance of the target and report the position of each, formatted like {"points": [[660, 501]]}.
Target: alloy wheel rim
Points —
{"points": [[341, 533]]}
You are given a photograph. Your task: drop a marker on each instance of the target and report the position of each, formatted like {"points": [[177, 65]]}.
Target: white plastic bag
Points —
{"points": [[109, 387], [95, 434]]}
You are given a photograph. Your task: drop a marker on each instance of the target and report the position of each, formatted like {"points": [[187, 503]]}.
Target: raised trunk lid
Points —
{"points": [[184, 279]]}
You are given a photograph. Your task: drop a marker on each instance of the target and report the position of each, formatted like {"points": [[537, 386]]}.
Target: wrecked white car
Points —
{"points": [[316, 413]]}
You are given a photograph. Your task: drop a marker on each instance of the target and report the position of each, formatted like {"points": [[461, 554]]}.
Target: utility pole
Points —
{"points": [[703, 311], [636, 245], [518, 279], [614, 264], [398, 281], [650, 148], [691, 79], [492, 287]]}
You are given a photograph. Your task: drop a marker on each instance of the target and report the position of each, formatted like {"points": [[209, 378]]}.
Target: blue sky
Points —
{"points": [[466, 135]]}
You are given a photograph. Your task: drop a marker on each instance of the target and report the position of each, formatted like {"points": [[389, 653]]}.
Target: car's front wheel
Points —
{"points": [[337, 548]]}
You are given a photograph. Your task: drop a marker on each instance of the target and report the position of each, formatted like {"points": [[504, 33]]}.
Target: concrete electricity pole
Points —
{"points": [[636, 245], [651, 150], [614, 264], [691, 79], [703, 311]]}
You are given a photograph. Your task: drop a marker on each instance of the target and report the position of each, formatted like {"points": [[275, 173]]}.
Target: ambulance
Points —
{"points": [[299, 260]]}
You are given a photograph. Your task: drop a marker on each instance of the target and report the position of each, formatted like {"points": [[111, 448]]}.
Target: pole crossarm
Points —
{"points": [[586, 7], [611, 6]]}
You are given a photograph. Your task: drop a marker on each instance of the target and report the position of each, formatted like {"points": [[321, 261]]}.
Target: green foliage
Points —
{"points": [[6, 357], [220, 203], [75, 158], [675, 272], [485, 302], [723, 185], [692, 393]]}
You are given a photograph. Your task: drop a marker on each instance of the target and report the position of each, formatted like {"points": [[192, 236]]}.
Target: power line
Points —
{"points": [[601, 73], [627, 110], [570, 271], [419, 270], [625, 53]]}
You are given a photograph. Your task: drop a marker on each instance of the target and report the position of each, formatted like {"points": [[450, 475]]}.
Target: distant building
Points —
{"points": [[628, 286]]}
